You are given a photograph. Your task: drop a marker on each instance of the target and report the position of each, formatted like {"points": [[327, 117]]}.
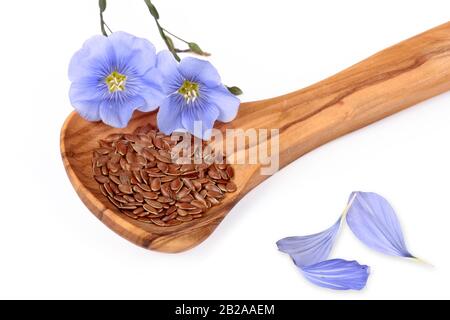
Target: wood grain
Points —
{"points": [[392, 80]]}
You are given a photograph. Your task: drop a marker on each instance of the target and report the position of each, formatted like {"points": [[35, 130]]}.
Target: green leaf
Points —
{"points": [[152, 9], [170, 44], [102, 5], [195, 48], [235, 90]]}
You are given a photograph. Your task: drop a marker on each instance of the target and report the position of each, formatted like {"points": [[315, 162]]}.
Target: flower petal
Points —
{"points": [[117, 113], [199, 70], [166, 63], [85, 97], [168, 66], [133, 54], [93, 59], [88, 109], [152, 90], [169, 115], [199, 119], [153, 77], [374, 222], [307, 250], [225, 101], [337, 274], [86, 89]]}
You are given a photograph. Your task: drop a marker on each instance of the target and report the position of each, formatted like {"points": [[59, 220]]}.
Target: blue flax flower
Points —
{"points": [[113, 76], [194, 93]]}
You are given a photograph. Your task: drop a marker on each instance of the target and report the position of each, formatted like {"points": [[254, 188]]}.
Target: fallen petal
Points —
{"points": [[308, 250], [374, 222], [337, 274]]}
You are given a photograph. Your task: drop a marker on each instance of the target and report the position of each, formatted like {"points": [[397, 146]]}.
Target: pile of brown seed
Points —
{"points": [[135, 172]]}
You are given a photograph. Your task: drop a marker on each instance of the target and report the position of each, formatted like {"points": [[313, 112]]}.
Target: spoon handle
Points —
{"points": [[387, 82]]}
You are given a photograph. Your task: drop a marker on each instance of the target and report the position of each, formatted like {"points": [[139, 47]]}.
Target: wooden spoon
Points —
{"points": [[392, 80]]}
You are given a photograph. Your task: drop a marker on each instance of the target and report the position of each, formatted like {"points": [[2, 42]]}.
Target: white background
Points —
{"points": [[51, 246]]}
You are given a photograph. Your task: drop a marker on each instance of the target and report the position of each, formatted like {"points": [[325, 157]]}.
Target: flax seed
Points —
{"points": [[135, 172]]}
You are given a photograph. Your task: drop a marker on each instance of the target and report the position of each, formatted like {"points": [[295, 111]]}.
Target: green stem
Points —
{"points": [[102, 25], [182, 50], [102, 7], [166, 41], [107, 27], [175, 36]]}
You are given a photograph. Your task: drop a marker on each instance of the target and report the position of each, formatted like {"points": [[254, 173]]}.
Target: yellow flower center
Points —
{"points": [[189, 90], [116, 81]]}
